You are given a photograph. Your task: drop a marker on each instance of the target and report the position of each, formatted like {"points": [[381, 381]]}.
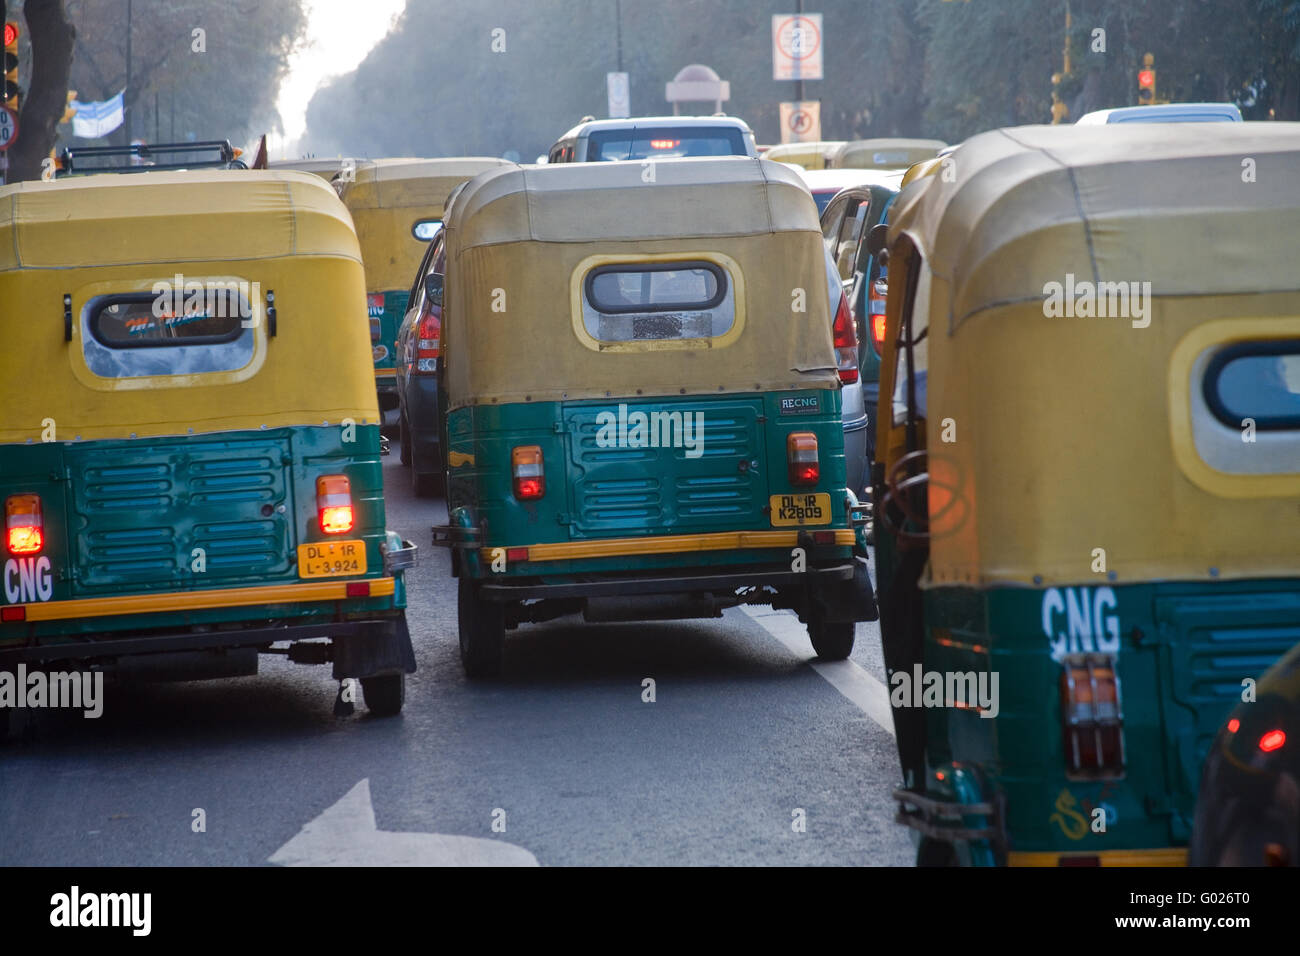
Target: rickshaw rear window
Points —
{"points": [[1259, 381], [138, 321], [657, 301]]}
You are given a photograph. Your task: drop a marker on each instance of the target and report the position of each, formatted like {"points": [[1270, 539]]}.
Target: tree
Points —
{"points": [[51, 35]]}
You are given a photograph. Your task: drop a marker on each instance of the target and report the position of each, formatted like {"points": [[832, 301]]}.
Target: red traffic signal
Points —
{"points": [[1146, 79], [11, 33]]}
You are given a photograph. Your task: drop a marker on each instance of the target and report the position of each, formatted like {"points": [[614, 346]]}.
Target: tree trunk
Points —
{"points": [[51, 35]]}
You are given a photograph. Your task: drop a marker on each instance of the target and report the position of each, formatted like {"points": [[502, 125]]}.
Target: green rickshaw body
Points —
{"points": [[625, 362], [1078, 510], [162, 474]]}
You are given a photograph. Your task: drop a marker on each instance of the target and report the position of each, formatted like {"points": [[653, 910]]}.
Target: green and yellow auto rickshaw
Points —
{"points": [[396, 205], [640, 380], [890, 153], [810, 155], [189, 441], [1088, 486]]}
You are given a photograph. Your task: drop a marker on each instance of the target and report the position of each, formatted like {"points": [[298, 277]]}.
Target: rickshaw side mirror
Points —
{"points": [[877, 235], [433, 288]]}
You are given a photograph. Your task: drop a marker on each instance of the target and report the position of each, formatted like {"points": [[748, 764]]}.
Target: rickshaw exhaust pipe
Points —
{"points": [[650, 607]]}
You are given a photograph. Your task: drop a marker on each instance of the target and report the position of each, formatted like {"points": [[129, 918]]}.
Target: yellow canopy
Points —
{"points": [[813, 155], [388, 197], [1069, 448], [521, 240], [885, 153], [282, 232]]}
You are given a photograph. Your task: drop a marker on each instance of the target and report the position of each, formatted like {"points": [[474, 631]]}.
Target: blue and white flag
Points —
{"points": [[94, 120]]}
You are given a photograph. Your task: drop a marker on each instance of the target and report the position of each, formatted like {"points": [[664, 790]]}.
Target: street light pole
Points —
{"points": [[126, 110], [618, 31], [798, 83]]}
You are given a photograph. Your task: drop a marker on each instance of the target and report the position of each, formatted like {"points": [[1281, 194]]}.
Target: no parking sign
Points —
{"points": [[801, 121]]}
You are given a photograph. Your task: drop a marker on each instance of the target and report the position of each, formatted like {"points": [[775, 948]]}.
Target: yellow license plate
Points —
{"points": [[800, 509], [331, 559]]}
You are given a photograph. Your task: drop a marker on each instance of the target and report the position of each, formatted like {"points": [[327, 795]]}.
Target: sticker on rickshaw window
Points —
{"points": [[800, 509], [331, 559]]}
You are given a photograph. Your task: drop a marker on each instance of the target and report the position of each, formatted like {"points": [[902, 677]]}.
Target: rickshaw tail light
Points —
{"points": [[877, 332], [1092, 720], [334, 503], [846, 342], [801, 456], [529, 472], [1273, 740], [24, 524]]}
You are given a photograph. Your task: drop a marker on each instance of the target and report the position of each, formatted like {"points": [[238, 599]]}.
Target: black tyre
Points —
{"points": [[831, 641], [384, 694], [404, 431], [482, 632]]}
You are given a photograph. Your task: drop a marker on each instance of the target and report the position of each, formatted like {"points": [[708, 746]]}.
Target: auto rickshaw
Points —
{"points": [[890, 153], [640, 380], [1086, 492], [396, 205], [189, 441], [810, 155]]}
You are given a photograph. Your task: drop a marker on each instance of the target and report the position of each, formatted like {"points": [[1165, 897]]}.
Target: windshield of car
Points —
{"points": [[665, 143]]}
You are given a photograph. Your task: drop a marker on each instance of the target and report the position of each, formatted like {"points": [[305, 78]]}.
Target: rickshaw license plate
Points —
{"points": [[331, 559], [801, 509]]}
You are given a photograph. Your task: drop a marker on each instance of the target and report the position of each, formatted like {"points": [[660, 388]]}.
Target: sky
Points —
{"points": [[338, 37]]}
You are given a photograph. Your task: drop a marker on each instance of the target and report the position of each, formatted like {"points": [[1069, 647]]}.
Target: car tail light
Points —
{"points": [[529, 472], [801, 455], [24, 525], [1092, 721], [1272, 740], [846, 342], [334, 503], [428, 344], [876, 314]]}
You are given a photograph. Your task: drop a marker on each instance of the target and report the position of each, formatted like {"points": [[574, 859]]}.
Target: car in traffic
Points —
{"points": [[190, 448], [656, 434], [396, 206], [1248, 810], [1081, 555], [653, 137], [1165, 113]]}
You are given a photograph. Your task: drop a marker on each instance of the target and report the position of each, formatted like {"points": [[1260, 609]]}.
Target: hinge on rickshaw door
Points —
{"points": [[67, 317], [270, 313]]}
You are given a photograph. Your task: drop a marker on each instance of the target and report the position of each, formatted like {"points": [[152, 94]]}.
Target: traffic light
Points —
{"points": [[1147, 81], [10, 95]]}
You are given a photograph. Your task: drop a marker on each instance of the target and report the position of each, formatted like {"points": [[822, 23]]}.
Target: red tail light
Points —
{"points": [[1092, 721], [801, 456], [876, 313], [846, 342], [334, 503], [1273, 740], [529, 472], [428, 344], [24, 525]]}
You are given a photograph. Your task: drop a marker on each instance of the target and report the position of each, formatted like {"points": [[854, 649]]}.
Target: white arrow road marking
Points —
{"points": [[863, 689], [346, 835]]}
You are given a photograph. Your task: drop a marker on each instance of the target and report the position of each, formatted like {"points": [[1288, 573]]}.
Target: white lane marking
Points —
{"points": [[345, 834], [863, 689]]}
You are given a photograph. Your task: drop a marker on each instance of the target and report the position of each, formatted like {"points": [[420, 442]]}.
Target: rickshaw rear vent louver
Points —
{"points": [[1092, 718]]}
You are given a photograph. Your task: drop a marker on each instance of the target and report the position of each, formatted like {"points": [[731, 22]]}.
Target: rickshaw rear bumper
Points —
{"points": [[357, 648], [958, 808]]}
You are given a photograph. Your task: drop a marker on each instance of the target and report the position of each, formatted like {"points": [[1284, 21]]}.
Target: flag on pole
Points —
{"points": [[94, 120]]}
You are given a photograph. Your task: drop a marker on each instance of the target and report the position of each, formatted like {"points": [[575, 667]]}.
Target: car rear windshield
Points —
{"points": [[606, 145]]}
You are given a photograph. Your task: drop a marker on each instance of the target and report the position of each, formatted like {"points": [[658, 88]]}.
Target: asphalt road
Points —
{"points": [[562, 752]]}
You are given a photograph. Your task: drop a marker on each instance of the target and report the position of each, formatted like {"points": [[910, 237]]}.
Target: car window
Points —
{"points": [[831, 218], [664, 143]]}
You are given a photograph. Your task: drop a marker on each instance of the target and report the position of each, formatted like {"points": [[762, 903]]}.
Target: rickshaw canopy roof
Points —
{"points": [[1192, 210], [520, 242], [591, 202], [407, 183], [116, 220], [864, 153]]}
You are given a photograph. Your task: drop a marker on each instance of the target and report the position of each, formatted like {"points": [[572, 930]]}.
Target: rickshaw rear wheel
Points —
{"points": [[832, 640], [384, 694], [482, 632]]}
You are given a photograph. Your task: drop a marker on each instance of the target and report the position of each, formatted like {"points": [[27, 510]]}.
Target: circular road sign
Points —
{"points": [[8, 127]]}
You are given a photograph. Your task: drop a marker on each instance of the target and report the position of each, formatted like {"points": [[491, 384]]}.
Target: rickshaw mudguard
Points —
{"points": [[957, 807]]}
